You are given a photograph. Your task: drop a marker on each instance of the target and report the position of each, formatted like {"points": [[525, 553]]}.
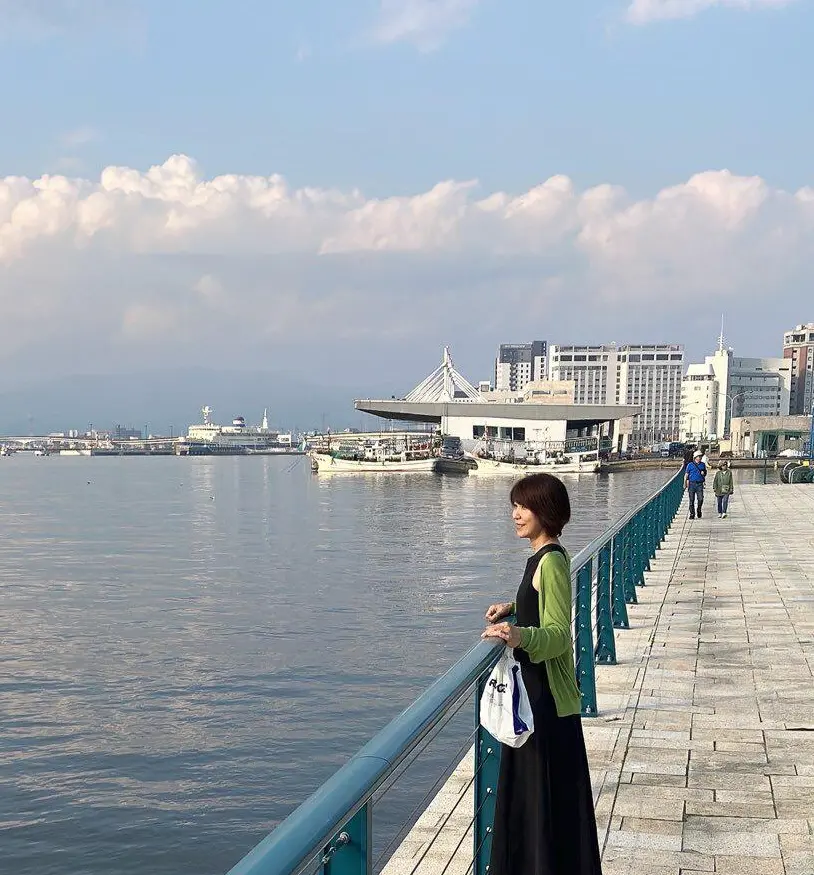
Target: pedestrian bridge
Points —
{"points": [[694, 646]]}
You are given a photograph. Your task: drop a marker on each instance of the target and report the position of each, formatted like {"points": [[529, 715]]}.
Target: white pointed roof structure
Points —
{"points": [[444, 384]]}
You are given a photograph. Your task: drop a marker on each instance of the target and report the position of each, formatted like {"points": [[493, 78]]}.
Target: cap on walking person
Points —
{"points": [[697, 454]]}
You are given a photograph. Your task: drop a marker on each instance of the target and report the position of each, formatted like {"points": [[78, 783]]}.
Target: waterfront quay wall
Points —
{"points": [[659, 463]]}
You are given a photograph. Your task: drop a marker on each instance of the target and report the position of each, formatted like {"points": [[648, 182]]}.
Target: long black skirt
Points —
{"points": [[544, 812]]}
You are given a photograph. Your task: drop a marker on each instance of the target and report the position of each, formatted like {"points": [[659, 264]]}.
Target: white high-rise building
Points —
{"points": [[646, 375], [798, 349], [518, 364], [726, 385]]}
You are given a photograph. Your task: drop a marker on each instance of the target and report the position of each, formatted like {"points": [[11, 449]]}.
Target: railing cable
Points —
{"points": [[446, 820], [421, 806], [466, 831], [387, 785], [486, 835]]}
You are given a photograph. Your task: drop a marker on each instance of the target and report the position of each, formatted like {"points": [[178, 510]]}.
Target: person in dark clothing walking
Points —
{"points": [[695, 476], [544, 812]]}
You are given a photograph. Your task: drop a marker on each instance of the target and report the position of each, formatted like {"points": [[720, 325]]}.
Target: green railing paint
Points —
{"points": [[584, 656], [331, 833], [629, 560], [487, 768], [620, 618], [605, 653]]}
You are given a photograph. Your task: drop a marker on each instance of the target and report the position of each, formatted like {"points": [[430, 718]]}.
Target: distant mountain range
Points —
{"points": [[173, 399]]}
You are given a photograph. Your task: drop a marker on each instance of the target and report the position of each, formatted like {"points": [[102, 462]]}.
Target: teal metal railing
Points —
{"points": [[331, 833]]}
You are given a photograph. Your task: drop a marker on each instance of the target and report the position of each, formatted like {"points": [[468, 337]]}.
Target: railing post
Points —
{"points": [[487, 770], [584, 641], [638, 549], [659, 519], [629, 562], [649, 532], [618, 606], [350, 851], [605, 652]]}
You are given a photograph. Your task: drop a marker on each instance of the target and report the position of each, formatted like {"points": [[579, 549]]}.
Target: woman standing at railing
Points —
{"points": [[544, 813]]}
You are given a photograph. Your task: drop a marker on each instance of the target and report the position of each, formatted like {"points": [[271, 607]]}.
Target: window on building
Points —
{"points": [[518, 434]]}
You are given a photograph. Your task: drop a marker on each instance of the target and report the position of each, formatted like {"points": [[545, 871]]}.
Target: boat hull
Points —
{"points": [[493, 468], [325, 464], [457, 467]]}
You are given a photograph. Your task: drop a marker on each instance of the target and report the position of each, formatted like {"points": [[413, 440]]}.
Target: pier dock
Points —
{"points": [[698, 699], [702, 756], [704, 750]]}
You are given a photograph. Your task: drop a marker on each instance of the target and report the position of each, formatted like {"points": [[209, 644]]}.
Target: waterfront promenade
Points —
{"points": [[702, 757]]}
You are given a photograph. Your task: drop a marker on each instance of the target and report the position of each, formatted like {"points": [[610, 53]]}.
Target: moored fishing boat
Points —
{"points": [[494, 467], [373, 457], [578, 458], [324, 463]]}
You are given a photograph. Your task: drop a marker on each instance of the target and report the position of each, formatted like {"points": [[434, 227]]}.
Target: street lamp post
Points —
{"points": [[732, 408], [811, 438]]}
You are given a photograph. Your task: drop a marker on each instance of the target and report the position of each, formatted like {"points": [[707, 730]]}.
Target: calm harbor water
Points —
{"points": [[190, 646]]}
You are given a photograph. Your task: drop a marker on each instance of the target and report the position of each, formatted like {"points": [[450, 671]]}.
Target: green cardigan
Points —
{"points": [[551, 643]]}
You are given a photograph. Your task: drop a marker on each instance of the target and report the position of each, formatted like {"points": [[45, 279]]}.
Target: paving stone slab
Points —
{"points": [[703, 757]]}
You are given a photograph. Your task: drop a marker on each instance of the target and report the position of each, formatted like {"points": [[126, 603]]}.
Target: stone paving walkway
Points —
{"points": [[704, 751], [702, 758]]}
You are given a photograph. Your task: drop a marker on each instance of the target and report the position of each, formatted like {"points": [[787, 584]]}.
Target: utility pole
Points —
{"points": [[811, 438]]}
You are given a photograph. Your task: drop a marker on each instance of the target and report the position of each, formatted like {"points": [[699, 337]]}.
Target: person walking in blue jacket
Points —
{"points": [[695, 476]]}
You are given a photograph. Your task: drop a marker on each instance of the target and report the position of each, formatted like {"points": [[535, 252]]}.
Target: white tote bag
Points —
{"points": [[505, 711]]}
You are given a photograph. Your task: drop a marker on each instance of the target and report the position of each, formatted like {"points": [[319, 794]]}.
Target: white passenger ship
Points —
{"points": [[208, 438]]}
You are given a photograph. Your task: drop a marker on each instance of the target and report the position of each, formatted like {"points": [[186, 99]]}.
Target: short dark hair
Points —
{"points": [[547, 498]]}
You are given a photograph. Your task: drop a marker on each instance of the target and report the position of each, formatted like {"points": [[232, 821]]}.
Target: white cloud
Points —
{"points": [[424, 23], [646, 11], [77, 137], [170, 263]]}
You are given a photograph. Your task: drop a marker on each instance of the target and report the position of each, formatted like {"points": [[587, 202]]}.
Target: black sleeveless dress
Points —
{"points": [[544, 811]]}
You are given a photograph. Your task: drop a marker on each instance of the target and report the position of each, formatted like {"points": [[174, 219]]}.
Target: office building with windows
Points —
{"points": [[726, 386], [518, 364], [798, 349], [645, 375]]}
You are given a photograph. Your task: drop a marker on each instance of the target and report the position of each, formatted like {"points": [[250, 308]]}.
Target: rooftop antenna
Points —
{"points": [[721, 335]]}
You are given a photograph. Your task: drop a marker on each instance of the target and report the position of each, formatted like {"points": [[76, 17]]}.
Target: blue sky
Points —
{"points": [[379, 101], [521, 91]]}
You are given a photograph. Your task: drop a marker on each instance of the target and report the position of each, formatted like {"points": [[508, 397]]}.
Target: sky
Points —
{"points": [[336, 190]]}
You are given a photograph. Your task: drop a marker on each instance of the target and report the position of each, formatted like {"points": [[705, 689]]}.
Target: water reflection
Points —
{"points": [[190, 646]]}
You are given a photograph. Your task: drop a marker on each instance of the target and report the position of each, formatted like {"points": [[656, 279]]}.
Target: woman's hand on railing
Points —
{"points": [[505, 632], [498, 611]]}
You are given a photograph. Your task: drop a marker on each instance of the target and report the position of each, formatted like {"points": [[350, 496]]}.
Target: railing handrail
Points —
{"points": [[593, 548], [302, 836]]}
